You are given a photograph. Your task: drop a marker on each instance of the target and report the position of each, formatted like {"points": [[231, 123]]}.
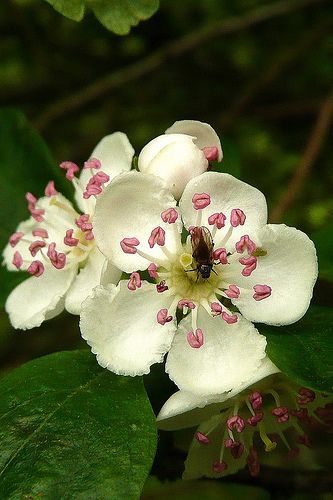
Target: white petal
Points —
{"points": [[115, 153], [184, 409], [204, 133], [226, 193], [38, 299], [131, 206], [229, 356], [121, 327], [89, 277], [290, 268]]}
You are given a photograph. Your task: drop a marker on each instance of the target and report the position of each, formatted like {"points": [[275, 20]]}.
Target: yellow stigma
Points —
{"points": [[186, 260]]}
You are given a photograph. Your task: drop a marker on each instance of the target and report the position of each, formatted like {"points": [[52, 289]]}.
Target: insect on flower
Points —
{"points": [[202, 251]]}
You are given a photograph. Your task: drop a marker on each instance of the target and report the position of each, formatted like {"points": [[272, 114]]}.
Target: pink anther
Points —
{"points": [[253, 462], [134, 281], [40, 233], [219, 466], [236, 448], [301, 413], [157, 236], [281, 413], [211, 153], [237, 217], [36, 246], [229, 318], [161, 287], [95, 184], [250, 264], [232, 292], [200, 201], [261, 292], [163, 317], [196, 339], [36, 213], [58, 259], [307, 396], [255, 419], [216, 308], [83, 223], [71, 169], [236, 422], [255, 399], [17, 260], [31, 199], [69, 240], [128, 245], [92, 163], [221, 255], [36, 268], [15, 238], [245, 244], [170, 215], [202, 438], [152, 271], [50, 190], [89, 236], [217, 220], [185, 303]]}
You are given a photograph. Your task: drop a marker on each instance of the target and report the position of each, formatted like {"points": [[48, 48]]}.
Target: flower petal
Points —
{"points": [[89, 277], [131, 206], [115, 153], [229, 356], [38, 299], [123, 331], [289, 268], [226, 193], [204, 133], [184, 409]]}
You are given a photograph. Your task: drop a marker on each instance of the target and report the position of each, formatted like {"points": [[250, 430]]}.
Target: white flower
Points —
{"points": [[267, 408], [183, 152], [266, 271], [57, 245]]}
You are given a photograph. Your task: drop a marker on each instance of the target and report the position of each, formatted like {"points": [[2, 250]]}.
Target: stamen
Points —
{"points": [[89, 236], [219, 467], [254, 419], [162, 287], [17, 260], [15, 238], [36, 268], [236, 422], [200, 201], [169, 216], [157, 236], [134, 281], [202, 438], [217, 220], [245, 243], [196, 339], [40, 233], [36, 213], [232, 292], [253, 462], [128, 245], [269, 445], [211, 153], [95, 185], [307, 396], [83, 223], [229, 318], [92, 163], [237, 217], [255, 399], [69, 240], [261, 291], [250, 264], [216, 308], [36, 246], [31, 199], [163, 317], [58, 259], [184, 303], [236, 448], [152, 271], [50, 190], [71, 169], [220, 254]]}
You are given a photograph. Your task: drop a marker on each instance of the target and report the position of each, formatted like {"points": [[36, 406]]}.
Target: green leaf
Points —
{"points": [[323, 240], [116, 15], [304, 350], [70, 429], [26, 164]]}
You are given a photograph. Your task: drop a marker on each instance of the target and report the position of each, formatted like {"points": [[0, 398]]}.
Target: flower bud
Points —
{"points": [[180, 154]]}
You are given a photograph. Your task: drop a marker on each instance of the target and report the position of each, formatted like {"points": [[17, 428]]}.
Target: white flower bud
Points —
{"points": [[182, 153]]}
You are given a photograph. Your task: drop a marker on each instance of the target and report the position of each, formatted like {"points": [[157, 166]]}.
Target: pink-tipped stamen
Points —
{"points": [[157, 236], [217, 220], [196, 340], [255, 399], [71, 169], [31, 199], [163, 317], [161, 287], [230, 319], [95, 185], [40, 233], [236, 448], [15, 238], [307, 396], [245, 244], [201, 201], [237, 217], [36, 268], [134, 281], [232, 292], [17, 260], [221, 255], [58, 259], [250, 264], [83, 223], [236, 422], [211, 153], [253, 462], [50, 190], [169, 216], [255, 419], [202, 438], [36, 246], [216, 308], [261, 292], [186, 303], [37, 213], [281, 413], [89, 236], [69, 240], [152, 271], [92, 163], [128, 245]]}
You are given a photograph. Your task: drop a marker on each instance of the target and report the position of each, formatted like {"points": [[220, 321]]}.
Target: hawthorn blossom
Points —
{"points": [[57, 245], [183, 152], [259, 272], [267, 412]]}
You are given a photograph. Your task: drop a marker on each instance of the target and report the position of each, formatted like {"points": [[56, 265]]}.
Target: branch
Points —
{"points": [[310, 155], [172, 50]]}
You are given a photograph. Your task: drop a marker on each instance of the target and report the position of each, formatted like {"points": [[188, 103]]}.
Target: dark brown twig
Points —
{"points": [[170, 51]]}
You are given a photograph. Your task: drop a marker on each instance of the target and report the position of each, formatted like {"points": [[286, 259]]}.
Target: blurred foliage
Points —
{"points": [[261, 87]]}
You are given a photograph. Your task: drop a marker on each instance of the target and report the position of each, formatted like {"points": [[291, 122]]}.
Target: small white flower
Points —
{"points": [[57, 245], [265, 271], [183, 152]]}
